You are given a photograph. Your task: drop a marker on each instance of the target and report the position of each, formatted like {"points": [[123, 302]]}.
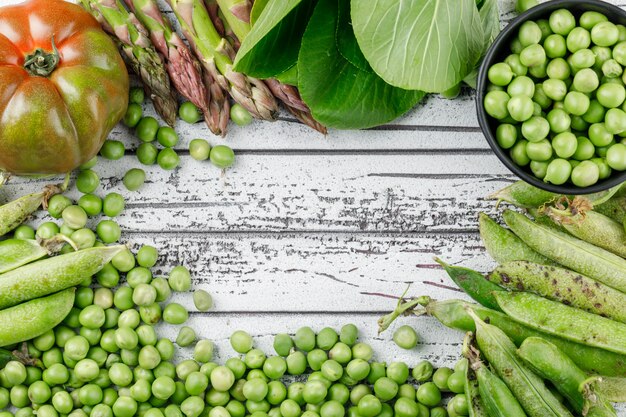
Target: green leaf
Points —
{"points": [[289, 77], [273, 43], [428, 45], [257, 9], [490, 18], [331, 81]]}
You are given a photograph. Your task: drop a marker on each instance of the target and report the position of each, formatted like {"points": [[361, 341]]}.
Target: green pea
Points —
{"points": [[456, 382], [87, 181], [611, 95], [149, 357], [147, 128], [168, 159], [385, 388], [429, 393], [47, 230], [222, 379], [518, 153], [585, 174], [578, 38], [369, 406], [241, 341], [202, 300], [296, 363], [362, 351], [254, 359], [222, 156], [603, 167], [599, 135], [558, 171], [558, 69], [564, 145], [92, 204], [616, 157], [186, 336], [113, 204], [133, 115], [500, 74], [147, 153], [283, 344], [529, 33], [92, 317], [151, 314], [562, 22], [314, 392], [358, 369], [341, 353], [203, 351], [199, 149], [123, 261], [134, 179], [496, 104], [604, 34], [180, 279], [189, 113], [112, 150], [240, 116], [516, 45], [275, 367], [167, 136], [74, 217], [533, 55], [405, 337]]}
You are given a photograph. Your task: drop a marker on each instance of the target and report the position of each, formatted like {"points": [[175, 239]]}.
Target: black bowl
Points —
{"points": [[500, 50]]}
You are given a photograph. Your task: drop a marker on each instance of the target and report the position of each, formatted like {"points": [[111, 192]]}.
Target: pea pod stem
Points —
{"points": [[504, 246], [54, 274], [564, 321], [33, 318], [453, 314], [496, 399], [473, 283], [550, 363], [569, 251], [14, 213], [528, 388], [563, 285]]}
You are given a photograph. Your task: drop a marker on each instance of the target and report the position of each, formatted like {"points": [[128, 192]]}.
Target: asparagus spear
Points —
{"points": [[138, 52], [216, 55], [237, 20], [184, 69]]}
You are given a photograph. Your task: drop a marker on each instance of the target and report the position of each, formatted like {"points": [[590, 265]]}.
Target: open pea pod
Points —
{"points": [[18, 252]]}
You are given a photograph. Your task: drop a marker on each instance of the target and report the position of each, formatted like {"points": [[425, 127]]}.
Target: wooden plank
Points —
{"points": [[305, 192], [315, 272]]}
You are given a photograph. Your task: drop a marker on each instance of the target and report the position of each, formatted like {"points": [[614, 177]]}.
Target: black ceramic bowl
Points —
{"points": [[500, 50]]}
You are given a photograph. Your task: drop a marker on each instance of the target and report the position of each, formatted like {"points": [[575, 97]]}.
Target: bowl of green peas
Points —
{"points": [[551, 96]]}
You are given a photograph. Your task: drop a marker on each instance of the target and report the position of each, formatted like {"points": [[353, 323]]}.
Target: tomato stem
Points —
{"points": [[41, 63]]}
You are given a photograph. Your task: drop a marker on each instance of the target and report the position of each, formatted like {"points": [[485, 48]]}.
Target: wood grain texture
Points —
{"points": [[304, 227]]}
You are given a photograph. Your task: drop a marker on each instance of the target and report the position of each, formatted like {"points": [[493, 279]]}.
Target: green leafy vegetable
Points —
{"points": [[272, 45], [335, 79], [257, 8], [428, 45], [490, 18]]}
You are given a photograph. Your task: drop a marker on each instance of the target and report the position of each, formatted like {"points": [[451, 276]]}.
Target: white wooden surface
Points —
{"points": [[304, 226]]}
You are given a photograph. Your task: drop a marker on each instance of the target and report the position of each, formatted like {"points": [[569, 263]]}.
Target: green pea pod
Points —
{"points": [[550, 363], [571, 252], [5, 356], [615, 208], [476, 408], [612, 388], [504, 246], [14, 213], [18, 252], [473, 283], [563, 285], [33, 318], [528, 388], [453, 314], [495, 398], [564, 321], [576, 218], [522, 194], [53, 274]]}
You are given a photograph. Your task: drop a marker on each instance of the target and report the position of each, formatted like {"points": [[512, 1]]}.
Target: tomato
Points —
{"points": [[63, 86]]}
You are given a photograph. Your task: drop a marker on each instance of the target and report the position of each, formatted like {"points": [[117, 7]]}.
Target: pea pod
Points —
{"points": [[589, 226], [14, 213], [453, 314], [54, 274], [476, 408], [612, 388], [547, 361], [569, 251], [561, 285], [5, 356], [496, 399], [528, 388], [473, 283], [615, 208], [18, 252], [33, 318], [564, 321], [522, 194], [504, 246]]}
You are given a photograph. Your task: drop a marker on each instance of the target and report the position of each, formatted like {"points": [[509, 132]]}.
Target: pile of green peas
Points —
{"points": [[559, 98], [148, 131]]}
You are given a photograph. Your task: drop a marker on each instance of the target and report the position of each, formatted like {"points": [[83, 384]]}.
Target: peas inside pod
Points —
{"points": [[559, 98]]}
